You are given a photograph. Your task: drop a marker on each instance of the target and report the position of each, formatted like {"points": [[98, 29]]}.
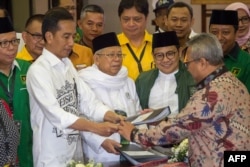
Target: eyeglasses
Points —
{"points": [[112, 55], [244, 19], [188, 62], [5, 44], [68, 8], [36, 37], [160, 56]]}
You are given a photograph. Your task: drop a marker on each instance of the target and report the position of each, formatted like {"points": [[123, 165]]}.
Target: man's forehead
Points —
{"points": [[2, 13], [180, 11], [221, 26], [8, 35], [67, 2], [171, 47]]}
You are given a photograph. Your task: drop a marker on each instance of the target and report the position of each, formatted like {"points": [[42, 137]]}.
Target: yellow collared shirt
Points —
{"points": [[147, 62], [25, 55], [81, 56]]}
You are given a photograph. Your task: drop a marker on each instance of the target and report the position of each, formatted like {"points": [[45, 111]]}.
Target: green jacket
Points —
{"points": [[238, 62], [21, 111], [185, 85]]}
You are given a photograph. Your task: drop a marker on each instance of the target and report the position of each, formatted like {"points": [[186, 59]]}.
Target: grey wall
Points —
{"points": [[20, 11]]}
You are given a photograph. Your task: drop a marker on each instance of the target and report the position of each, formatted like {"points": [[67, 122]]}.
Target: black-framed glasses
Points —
{"points": [[5, 44], [36, 37], [160, 55], [244, 19], [188, 62], [112, 55]]}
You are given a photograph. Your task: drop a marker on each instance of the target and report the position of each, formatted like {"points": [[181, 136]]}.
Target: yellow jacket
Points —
{"points": [[25, 55], [147, 62], [81, 56]]}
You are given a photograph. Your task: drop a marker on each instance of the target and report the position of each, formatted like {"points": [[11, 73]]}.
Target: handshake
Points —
{"points": [[117, 123]]}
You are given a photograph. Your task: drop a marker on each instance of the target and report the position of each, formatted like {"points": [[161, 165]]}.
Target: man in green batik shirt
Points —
{"points": [[224, 24], [13, 89]]}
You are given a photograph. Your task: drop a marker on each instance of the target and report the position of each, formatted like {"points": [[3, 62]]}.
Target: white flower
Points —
{"points": [[91, 163], [80, 165], [180, 152]]}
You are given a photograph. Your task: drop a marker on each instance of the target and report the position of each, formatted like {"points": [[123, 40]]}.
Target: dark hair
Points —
{"points": [[180, 5], [5, 12], [91, 8], [35, 17], [51, 19], [140, 5], [55, 3]]}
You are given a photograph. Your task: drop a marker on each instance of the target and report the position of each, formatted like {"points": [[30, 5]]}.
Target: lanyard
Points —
{"points": [[10, 93], [135, 58]]}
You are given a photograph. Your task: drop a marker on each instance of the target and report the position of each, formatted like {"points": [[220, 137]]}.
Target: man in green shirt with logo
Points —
{"points": [[224, 24], [13, 89]]}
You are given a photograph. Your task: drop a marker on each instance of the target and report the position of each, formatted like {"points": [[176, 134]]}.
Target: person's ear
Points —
{"points": [[96, 59], [24, 36], [79, 22], [48, 36], [203, 63], [192, 22]]}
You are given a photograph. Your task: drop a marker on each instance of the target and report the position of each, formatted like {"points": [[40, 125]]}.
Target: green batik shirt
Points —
{"points": [[238, 62], [78, 35], [20, 108]]}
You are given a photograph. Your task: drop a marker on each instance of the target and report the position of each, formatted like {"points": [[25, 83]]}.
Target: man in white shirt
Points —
{"points": [[180, 19], [61, 104], [111, 84], [160, 9]]}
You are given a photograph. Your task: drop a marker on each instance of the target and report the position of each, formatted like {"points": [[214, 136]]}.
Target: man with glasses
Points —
{"points": [[215, 119], [224, 24], [170, 84], [33, 39], [111, 84], [13, 89]]}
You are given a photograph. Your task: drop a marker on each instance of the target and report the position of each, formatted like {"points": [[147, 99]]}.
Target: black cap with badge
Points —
{"points": [[161, 4]]}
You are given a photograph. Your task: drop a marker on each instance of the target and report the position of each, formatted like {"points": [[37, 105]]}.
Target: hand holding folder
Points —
{"points": [[150, 117]]}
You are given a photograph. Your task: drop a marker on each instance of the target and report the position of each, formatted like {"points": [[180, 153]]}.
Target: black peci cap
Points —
{"points": [[105, 40], [5, 25], [224, 17], [167, 38]]}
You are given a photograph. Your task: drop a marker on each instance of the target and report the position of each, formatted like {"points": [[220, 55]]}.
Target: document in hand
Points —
{"points": [[137, 155], [150, 117]]}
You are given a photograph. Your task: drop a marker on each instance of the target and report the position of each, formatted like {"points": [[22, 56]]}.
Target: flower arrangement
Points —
{"points": [[180, 152], [91, 163]]}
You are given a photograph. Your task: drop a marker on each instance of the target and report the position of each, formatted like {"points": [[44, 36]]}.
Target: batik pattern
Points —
{"points": [[216, 118]]}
